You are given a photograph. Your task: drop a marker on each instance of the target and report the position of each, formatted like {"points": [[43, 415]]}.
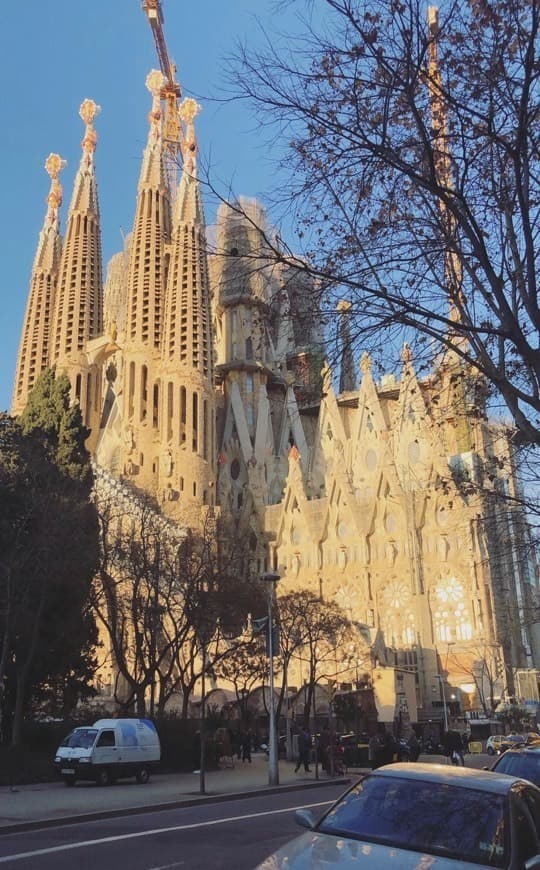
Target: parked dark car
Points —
{"points": [[355, 749], [511, 741], [431, 747], [522, 761]]}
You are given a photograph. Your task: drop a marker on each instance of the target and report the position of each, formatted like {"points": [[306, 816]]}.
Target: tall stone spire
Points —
{"points": [[443, 168], [188, 431], [146, 282], [79, 300], [151, 230], [347, 377], [34, 347]]}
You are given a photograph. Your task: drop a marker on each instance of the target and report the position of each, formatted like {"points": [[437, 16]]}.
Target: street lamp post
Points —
{"points": [[445, 711], [271, 578]]}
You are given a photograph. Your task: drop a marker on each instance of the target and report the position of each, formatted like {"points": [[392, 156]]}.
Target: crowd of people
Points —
{"points": [[383, 747]]}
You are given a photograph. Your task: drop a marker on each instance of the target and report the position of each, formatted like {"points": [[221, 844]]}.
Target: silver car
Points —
{"points": [[422, 816]]}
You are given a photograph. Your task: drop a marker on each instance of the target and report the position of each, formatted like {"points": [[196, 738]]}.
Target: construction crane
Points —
{"points": [[171, 93]]}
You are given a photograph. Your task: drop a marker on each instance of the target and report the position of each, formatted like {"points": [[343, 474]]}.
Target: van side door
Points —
{"points": [[106, 750]]}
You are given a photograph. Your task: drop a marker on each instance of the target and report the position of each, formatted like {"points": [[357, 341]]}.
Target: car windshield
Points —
{"points": [[81, 738], [526, 765], [432, 817]]}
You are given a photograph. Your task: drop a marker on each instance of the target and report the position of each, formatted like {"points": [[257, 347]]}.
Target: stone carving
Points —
{"points": [[406, 354], [365, 363], [155, 82], [88, 111], [54, 165]]}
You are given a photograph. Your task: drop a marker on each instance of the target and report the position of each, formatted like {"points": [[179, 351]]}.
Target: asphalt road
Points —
{"points": [[235, 834]]}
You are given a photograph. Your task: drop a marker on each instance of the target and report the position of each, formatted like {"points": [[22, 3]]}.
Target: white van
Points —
{"points": [[108, 750]]}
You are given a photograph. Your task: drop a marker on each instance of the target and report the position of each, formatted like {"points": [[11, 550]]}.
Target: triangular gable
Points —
{"points": [[418, 451], [369, 416], [412, 413], [294, 495]]}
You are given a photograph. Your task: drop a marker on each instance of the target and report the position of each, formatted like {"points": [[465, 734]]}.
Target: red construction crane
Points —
{"points": [[171, 93]]}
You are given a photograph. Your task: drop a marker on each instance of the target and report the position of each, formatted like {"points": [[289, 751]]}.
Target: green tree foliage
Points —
{"points": [[49, 415], [48, 554]]}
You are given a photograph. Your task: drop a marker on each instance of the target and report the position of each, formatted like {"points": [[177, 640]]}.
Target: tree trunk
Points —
{"points": [[18, 712]]}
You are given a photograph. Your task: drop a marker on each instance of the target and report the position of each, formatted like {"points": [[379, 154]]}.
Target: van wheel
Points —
{"points": [[143, 775], [103, 777], [490, 751], [69, 781]]}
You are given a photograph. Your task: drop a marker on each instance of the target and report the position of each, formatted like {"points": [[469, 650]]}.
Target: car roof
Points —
{"points": [[447, 774], [524, 749]]}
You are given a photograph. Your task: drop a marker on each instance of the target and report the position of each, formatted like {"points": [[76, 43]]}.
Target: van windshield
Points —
{"points": [[80, 738]]}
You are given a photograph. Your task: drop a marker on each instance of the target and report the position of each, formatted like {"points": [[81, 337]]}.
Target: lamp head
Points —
{"points": [[270, 577]]}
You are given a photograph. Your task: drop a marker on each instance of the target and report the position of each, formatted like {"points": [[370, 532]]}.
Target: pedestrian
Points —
{"points": [[237, 744], [304, 749], [454, 748], [374, 747], [246, 746], [324, 747], [389, 748], [414, 747]]}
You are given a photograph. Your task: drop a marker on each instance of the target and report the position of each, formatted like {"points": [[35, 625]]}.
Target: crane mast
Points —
{"points": [[171, 93]]}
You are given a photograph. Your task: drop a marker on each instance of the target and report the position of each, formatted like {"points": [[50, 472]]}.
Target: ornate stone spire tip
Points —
{"points": [[433, 21], [54, 165], [343, 306], [365, 363], [189, 109], [88, 111], [406, 354], [155, 82]]}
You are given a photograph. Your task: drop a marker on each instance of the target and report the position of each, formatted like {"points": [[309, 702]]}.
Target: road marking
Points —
{"points": [[20, 856]]}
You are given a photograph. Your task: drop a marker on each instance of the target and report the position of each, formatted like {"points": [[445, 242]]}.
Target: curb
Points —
{"points": [[209, 798]]}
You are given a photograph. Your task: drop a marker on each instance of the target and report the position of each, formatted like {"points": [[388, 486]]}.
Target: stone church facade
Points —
{"points": [[200, 370]]}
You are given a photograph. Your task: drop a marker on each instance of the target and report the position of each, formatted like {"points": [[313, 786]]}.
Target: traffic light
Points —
{"points": [[260, 625], [275, 640]]}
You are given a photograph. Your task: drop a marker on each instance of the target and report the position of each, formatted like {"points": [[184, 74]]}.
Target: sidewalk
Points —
{"points": [[44, 804]]}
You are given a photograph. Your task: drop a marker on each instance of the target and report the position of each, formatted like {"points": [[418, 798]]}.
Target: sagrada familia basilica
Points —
{"points": [[201, 372]]}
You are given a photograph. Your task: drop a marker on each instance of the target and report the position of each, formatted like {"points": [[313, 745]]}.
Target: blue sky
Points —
{"points": [[55, 54]]}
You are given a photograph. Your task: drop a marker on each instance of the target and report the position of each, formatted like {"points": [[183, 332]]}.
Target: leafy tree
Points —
{"points": [[59, 425], [48, 553], [411, 147]]}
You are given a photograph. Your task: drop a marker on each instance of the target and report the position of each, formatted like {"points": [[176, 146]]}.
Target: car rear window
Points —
{"points": [[440, 819], [525, 765]]}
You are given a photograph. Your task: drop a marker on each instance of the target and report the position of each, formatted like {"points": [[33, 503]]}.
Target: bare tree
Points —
{"points": [[484, 665], [314, 633], [134, 587], [411, 149], [171, 601], [245, 667]]}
